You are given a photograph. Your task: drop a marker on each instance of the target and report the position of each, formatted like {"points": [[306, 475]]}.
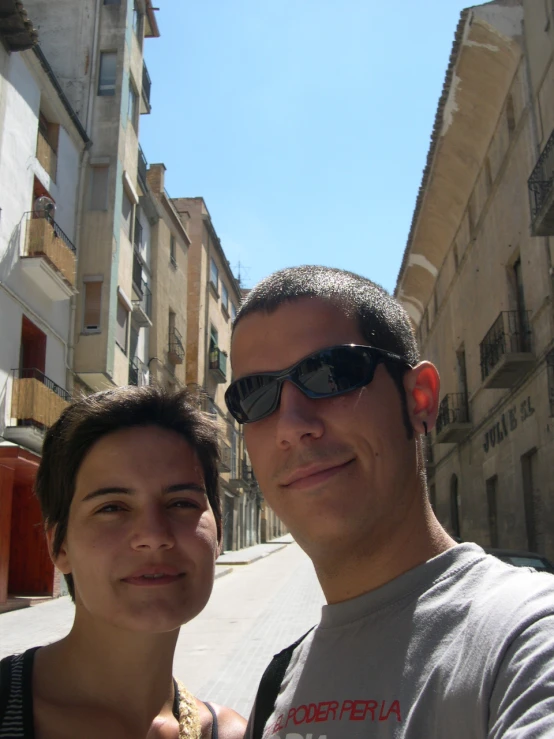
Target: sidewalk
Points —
{"points": [[254, 553]]}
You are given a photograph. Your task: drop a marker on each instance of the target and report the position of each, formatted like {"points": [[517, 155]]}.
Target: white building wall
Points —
{"points": [[20, 96]]}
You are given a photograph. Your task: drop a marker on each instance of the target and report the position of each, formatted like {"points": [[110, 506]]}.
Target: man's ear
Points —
{"points": [[60, 560], [422, 385]]}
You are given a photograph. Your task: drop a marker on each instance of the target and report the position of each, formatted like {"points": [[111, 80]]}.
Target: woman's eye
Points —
{"points": [[184, 504], [110, 508]]}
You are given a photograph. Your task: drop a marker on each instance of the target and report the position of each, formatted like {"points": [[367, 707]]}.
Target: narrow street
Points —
{"points": [[255, 611]]}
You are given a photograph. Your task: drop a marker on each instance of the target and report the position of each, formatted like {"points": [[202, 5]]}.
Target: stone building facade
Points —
{"points": [[477, 278]]}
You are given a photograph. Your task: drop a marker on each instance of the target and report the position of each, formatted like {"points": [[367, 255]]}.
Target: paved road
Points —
{"points": [[254, 612]]}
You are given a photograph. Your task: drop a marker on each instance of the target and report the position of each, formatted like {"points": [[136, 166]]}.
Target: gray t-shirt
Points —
{"points": [[460, 647]]}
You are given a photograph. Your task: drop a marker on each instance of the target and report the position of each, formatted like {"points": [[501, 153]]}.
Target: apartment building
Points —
{"points": [[477, 278], [43, 147], [214, 295], [96, 50], [170, 244]]}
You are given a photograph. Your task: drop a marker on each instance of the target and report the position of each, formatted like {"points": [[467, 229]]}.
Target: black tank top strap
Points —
{"points": [[175, 699], [214, 722]]}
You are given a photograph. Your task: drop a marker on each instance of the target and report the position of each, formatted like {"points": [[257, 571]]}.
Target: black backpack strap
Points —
{"points": [[269, 687], [5, 684]]}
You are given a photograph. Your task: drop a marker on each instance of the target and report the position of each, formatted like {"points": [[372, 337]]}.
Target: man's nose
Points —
{"points": [[153, 530], [298, 416]]}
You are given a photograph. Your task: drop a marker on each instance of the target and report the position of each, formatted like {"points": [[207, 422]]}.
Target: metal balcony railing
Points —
{"points": [[45, 238], [46, 155], [138, 372], [146, 85], [225, 461], [142, 166], [540, 184], [509, 334], [36, 399], [176, 351], [453, 409], [144, 302]]}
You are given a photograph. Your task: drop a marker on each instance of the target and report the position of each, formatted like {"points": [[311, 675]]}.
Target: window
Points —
{"points": [[233, 312], [108, 71], [132, 108], [121, 325], [172, 251], [99, 188], [137, 22], [112, 2], [224, 297], [32, 354], [137, 236], [126, 214], [214, 274], [213, 338], [92, 304]]}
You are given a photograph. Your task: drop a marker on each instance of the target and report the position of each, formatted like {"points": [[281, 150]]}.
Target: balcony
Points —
{"points": [[506, 350], [225, 456], [541, 192], [142, 168], [176, 350], [49, 258], [245, 479], [218, 364], [453, 423], [142, 305], [36, 404], [138, 373], [46, 156], [146, 89]]}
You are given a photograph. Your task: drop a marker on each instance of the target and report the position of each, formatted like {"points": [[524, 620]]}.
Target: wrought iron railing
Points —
{"points": [[137, 371], [225, 462], [176, 343], [541, 181], [142, 166], [146, 84], [453, 408], [145, 300], [509, 334], [36, 399], [57, 229]]}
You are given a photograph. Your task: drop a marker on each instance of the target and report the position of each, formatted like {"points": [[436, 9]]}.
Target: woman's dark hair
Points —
{"points": [[381, 319], [86, 421]]}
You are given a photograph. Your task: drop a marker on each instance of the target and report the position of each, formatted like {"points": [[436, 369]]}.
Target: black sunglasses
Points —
{"points": [[323, 374]]}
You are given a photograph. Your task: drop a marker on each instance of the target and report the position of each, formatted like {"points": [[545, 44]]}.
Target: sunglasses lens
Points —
{"points": [[254, 397], [334, 371]]}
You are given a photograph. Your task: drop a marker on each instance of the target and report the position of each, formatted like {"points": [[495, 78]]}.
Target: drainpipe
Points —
{"points": [[70, 372], [536, 147]]}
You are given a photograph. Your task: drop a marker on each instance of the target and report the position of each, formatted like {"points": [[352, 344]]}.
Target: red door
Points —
{"points": [[31, 569]]}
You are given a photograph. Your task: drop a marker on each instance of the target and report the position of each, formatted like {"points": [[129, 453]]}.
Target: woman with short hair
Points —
{"points": [[128, 487]]}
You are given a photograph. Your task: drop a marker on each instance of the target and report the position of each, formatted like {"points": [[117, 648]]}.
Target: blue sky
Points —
{"points": [[304, 124]]}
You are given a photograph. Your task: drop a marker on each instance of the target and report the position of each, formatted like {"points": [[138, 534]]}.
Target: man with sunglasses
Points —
{"points": [[421, 637]]}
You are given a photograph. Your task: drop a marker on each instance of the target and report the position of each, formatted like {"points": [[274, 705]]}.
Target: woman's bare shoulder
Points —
{"points": [[231, 725]]}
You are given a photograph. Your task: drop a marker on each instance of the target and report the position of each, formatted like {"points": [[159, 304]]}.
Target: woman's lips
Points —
{"points": [[149, 581]]}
